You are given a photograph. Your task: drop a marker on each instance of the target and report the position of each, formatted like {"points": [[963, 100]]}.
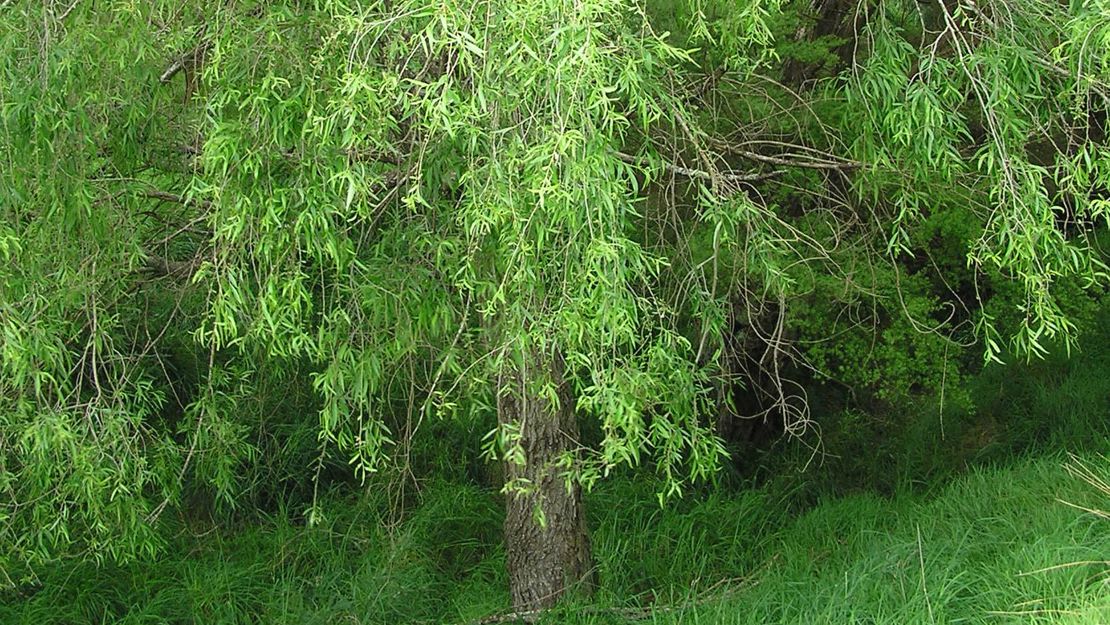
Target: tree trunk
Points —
{"points": [[829, 18], [549, 558]]}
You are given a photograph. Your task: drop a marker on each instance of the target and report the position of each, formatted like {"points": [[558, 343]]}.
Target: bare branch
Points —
{"points": [[165, 196], [183, 61], [813, 159], [726, 176], [172, 71], [792, 162], [161, 266], [65, 14]]}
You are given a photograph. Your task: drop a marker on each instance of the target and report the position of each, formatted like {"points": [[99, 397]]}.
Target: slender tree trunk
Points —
{"points": [[546, 540]]}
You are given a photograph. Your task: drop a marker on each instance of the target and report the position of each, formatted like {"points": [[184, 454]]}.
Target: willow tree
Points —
{"points": [[540, 216]]}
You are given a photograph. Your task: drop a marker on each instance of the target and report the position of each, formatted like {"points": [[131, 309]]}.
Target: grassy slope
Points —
{"points": [[969, 554], [980, 550]]}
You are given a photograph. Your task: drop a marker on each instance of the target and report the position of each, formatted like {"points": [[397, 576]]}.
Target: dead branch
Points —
{"points": [[812, 159], [160, 266], [793, 162], [726, 176], [165, 196]]}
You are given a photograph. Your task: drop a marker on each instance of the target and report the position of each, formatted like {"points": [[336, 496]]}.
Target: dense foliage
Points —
{"points": [[247, 244]]}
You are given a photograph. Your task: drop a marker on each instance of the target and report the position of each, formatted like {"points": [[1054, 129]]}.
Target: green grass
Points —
{"points": [[978, 551], [994, 546]]}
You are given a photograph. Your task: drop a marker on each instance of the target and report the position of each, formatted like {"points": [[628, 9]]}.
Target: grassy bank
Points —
{"points": [[994, 546]]}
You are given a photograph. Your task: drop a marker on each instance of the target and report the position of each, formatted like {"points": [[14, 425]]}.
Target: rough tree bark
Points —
{"points": [[544, 562]]}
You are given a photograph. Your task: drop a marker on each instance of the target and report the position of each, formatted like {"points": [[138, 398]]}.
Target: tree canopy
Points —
{"points": [[369, 215]]}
